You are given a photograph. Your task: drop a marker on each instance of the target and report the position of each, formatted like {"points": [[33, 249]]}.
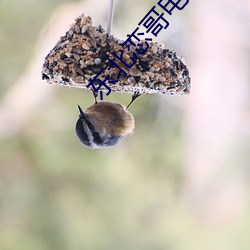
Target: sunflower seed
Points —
{"points": [[85, 46]]}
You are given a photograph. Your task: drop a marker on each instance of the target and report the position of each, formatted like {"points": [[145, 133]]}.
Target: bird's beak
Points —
{"points": [[82, 115]]}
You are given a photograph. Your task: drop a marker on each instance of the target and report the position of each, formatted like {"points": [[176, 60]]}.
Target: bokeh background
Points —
{"points": [[180, 182]]}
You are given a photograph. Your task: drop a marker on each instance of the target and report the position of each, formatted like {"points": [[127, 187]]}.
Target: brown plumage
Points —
{"points": [[104, 124], [112, 118]]}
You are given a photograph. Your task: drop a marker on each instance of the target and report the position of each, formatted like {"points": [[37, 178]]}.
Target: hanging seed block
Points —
{"points": [[85, 49]]}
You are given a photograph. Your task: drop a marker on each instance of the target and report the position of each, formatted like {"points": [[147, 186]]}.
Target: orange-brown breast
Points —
{"points": [[111, 117]]}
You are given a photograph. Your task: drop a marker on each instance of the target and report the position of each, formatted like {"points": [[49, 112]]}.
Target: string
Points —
{"points": [[110, 15]]}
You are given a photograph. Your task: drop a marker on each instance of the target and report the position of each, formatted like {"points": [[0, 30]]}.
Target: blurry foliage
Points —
{"points": [[20, 23]]}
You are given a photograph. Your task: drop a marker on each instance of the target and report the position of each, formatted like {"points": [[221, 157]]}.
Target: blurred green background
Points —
{"points": [[181, 181]]}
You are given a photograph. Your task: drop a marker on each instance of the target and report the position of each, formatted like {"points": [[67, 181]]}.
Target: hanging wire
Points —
{"points": [[110, 15]]}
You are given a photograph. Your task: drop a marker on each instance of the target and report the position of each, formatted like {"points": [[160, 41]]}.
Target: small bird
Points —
{"points": [[104, 124]]}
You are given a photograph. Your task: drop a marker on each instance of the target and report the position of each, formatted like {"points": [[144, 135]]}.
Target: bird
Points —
{"points": [[104, 124]]}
